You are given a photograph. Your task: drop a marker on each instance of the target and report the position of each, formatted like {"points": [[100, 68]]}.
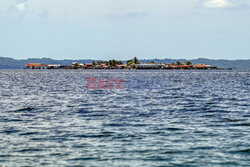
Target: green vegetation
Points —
{"points": [[133, 61], [112, 63], [129, 62], [178, 63], [188, 63], [136, 61]]}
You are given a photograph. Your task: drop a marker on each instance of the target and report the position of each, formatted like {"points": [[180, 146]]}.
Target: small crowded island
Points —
{"points": [[127, 65]]}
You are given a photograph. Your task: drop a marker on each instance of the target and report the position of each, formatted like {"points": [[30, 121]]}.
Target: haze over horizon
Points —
{"points": [[119, 29]]}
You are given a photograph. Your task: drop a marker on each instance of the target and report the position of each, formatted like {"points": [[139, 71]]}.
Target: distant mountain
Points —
{"points": [[9, 63]]}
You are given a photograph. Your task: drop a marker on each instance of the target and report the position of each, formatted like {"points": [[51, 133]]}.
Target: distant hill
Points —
{"points": [[10, 63], [234, 64]]}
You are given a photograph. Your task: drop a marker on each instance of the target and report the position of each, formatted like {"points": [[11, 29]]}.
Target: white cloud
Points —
{"points": [[21, 7], [217, 4]]}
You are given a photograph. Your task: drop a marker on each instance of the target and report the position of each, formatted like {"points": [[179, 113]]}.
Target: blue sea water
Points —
{"points": [[159, 118]]}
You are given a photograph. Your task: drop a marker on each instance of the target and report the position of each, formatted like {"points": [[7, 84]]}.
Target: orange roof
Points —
{"points": [[33, 64], [173, 66], [122, 65], [200, 65], [184, 66]]}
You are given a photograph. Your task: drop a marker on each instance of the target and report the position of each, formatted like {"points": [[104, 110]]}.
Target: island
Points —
{"points": [[128, 65]]}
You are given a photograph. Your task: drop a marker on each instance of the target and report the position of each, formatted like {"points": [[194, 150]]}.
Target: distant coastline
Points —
{"points": [[10, 63]]}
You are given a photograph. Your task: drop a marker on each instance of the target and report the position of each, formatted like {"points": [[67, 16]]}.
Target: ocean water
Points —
{"points": [[159, 118]]}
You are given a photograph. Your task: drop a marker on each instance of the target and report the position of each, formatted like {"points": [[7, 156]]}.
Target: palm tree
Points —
{"points": [[136, 61]]}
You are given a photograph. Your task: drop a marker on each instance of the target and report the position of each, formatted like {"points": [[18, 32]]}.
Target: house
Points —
{"points": [[52, 66], [121, 66], [89, 65], [185, 66], [147, 66], [200, 66], [33, 66]]}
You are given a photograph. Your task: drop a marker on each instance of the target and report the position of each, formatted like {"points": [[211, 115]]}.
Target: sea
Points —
{"points": [[155, 118]]}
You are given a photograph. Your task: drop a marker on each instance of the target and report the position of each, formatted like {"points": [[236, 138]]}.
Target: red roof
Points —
{"points": [[122, 65], [200, 65], [173, 66], [33, 65], [184, 66]]}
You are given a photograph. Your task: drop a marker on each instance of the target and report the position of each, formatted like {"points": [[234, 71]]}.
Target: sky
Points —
{"points": [[123, 29]]}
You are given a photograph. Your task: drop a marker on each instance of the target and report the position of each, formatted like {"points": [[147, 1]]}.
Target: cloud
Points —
{"points": [[224, 4], [217, 4], [21, 7]]}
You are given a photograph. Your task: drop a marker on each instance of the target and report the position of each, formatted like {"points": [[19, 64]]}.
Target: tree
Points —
{"points": [[110, 62], [93, 63], [178, 63], [188, 63], [152, 62], [136, 61], [129, 62], [113, 62]]}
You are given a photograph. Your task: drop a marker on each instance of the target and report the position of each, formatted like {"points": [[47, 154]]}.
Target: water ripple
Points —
{"points": [[192, 118]]}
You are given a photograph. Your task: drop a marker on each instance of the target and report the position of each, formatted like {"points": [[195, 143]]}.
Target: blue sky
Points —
{"points": [[122, 29]]}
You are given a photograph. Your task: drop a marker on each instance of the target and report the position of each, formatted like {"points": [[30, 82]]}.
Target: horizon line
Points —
{"points": [[124, 60]]}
